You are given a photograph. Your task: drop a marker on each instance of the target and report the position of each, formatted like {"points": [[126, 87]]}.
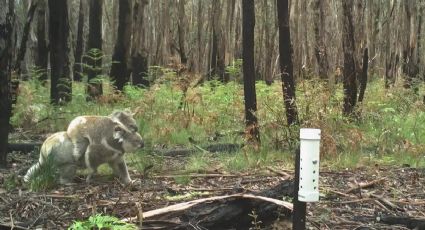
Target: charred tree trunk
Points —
{"points": [[214, 46], [119, 70], [248, 24], [286, 67], [218, 46], [23, 47], [363, 77], [139, 57], [320, 48], [350, 84], [78, 67], [41, 58], [61, 82], [7, 45], [181, 31], [93, 60], [200, 24]]}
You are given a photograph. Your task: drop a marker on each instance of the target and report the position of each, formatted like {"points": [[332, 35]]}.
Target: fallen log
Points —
{"points": [[223, 212], [23, 147], [409, 222], [212, 148]]}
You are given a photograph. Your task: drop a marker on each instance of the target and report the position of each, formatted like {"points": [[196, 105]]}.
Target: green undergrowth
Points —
{"points": [[99, 221], [389, 127]]}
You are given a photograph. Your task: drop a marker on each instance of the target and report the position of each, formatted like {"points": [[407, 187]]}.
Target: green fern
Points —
{"points": [[100, 221]]}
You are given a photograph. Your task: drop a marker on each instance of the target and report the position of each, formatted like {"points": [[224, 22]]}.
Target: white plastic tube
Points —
{"points": [[309, 165]]}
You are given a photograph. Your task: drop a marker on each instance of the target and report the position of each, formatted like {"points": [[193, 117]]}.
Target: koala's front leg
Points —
{"points": [[67, 173], [80, 147], [91, 162], [120, 170]]}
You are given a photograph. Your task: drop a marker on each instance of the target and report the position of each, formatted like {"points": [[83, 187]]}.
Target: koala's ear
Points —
{"points": [[118, 132]]}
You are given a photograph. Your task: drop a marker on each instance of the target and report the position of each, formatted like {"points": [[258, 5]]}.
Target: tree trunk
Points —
{"points": [[61, 82], [93, 60], [79, 49], [320, 47], [7, 45], [23, 47], [181, 31], [120, 71], [41, 58], [248, 24], [363, 77], [286, 68], [350, 84], [215, 37], [200, 25], [139, 57]]}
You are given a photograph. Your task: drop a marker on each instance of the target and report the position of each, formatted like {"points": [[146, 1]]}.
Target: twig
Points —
{"points": [[281, 173], [353, 201], [386, 202], [11, 220], [58, 196], [365, 185], [378, 202], [196, 175], [341, 193]]}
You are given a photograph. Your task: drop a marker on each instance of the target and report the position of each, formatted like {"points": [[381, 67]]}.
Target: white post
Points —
{"points": [[309, 165]]}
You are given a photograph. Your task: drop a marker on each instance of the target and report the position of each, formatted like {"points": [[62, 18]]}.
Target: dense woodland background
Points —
{"points": [[206, 36], [139, 42]]}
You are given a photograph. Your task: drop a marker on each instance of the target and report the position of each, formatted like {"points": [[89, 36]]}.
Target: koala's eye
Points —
{"points": [[134, 128]]}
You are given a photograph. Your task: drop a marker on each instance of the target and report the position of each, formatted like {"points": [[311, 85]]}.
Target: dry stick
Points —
{"points": [[382, 205], [197, 175], [353, 201], [11, 220], [281, 173], [341, 193], [365, 185], [387, 202], [422, 202], [58, 196]]}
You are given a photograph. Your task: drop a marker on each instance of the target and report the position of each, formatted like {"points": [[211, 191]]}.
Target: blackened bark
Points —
{"points": [[320, 48], [94, 64], [217, 57], [7, 45], [140, 70], [286, 67], [139, 56], [214, 45], [78, 67], [41, 58], [23, 47], [181, 32], [119, 70], [61, 82], [363, 77], [350, 84], [248, 24], [391, 64]]}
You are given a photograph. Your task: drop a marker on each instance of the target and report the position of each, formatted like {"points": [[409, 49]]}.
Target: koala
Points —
{"points": [[60, 147], [91, 130], [102, 139]]}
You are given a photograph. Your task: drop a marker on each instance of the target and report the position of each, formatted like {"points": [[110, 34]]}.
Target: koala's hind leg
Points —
{"points": [[80, 148], [93, 157], [120, 170], [67, 173]]}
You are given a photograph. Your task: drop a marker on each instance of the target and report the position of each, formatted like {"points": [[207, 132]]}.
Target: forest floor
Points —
{"points": [[386, 191]]}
